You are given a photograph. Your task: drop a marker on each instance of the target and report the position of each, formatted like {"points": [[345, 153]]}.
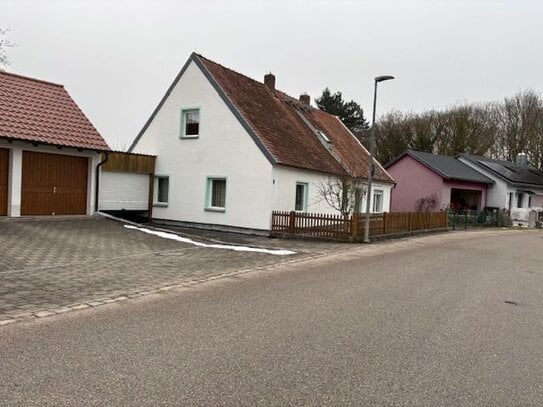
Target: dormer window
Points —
{"points": [[190, 123]]}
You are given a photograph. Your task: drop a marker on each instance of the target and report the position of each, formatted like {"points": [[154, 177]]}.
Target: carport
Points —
{"points": [[463, 199]]}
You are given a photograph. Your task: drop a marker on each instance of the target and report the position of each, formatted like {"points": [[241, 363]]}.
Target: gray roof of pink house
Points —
{"points": [[447, 167]]}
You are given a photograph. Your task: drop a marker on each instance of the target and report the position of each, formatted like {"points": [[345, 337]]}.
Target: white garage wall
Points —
{"points": [[123, 190]]}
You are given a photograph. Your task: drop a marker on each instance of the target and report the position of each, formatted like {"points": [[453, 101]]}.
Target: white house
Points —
{"points": [[230, 150], [516, 185], [49, 150]]}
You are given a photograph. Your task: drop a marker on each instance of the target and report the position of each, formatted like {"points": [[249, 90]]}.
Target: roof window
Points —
{"points": [[324, 136]]}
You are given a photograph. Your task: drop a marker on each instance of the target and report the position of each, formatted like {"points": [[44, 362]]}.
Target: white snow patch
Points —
{"points": [[172, 236]]}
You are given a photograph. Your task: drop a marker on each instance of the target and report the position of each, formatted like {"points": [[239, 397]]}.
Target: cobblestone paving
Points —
{"points": [[47, 265]]}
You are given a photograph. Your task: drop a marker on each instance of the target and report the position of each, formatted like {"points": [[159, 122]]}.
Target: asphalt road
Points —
{"points": [[451, 320]]}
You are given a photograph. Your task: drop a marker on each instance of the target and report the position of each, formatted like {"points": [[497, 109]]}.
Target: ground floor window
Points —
{"points": [[216, 194], [300, 203], [378, 201], [162, 190]]}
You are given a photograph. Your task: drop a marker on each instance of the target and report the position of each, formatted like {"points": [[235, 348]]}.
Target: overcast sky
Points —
{"points": [[117, 58]]}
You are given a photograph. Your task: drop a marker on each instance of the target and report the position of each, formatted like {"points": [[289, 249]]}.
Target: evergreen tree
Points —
{"points": [[350, 113]]}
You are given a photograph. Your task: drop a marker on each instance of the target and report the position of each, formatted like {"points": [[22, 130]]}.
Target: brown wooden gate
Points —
{"points": [[54, 184], [4, 169]]}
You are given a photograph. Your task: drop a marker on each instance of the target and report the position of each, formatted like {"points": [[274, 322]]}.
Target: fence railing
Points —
{"points": [[338, 227], [468, 219]]}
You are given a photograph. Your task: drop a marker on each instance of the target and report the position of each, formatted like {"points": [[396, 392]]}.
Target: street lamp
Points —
{"points": [[371, 168]]}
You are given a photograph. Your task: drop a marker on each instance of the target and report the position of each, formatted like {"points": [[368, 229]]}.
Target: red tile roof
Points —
{"points": [[43, 112], [288, 129]]}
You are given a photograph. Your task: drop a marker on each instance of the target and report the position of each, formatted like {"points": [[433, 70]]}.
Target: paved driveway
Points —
{"points": [[48, 265]]}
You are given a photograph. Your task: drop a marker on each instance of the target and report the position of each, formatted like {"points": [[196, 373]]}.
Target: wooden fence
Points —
{"points": [[338, 227]]}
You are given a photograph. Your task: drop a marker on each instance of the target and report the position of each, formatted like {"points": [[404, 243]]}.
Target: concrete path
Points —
{"points": [[448, 320]]}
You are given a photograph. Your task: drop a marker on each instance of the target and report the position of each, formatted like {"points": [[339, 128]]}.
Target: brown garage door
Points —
{"points": [[4, 168], [54, 184]]}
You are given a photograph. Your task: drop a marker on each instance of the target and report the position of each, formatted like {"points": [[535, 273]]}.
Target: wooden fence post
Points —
{"points": [[409, 222], [354, 225], [385, 223], [292, 222]]}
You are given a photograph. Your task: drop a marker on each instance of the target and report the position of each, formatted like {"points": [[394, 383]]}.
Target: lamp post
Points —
{"points": [[371, 168]]}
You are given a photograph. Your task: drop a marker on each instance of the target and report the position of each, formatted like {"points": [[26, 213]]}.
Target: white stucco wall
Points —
{"points": [[16, 165], [284, 190], [223, 149], [123, 190]]}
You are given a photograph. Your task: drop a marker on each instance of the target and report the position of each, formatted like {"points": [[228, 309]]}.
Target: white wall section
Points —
{"points": [[123, 190]]}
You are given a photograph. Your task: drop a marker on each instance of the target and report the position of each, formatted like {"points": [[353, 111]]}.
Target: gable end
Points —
{"points": [[194, 58]]}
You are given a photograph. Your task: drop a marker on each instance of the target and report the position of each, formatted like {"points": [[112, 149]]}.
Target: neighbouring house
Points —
{"points": [[230, 150], [49, 150], [515, 185], [430, 182]]}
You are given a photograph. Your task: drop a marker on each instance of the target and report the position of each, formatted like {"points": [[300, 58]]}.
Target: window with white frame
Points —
{"points": [[377, 201], [216, 194], [162, 190], [190, 123], [300, 203]]}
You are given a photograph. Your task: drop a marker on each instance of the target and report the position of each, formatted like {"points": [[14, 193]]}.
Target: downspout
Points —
{"points": [[96, 198]]}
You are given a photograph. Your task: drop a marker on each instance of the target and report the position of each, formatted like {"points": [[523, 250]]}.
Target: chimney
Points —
{"points": [[522, 160], [305, 99], [269, 81]]}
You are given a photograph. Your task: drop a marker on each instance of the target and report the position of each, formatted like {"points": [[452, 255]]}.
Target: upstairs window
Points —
{"points": [[190, 123], [300, 203]]}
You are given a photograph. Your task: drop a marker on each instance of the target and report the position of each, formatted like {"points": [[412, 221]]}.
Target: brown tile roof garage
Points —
{"points": [[35, 115], [44, 113]]}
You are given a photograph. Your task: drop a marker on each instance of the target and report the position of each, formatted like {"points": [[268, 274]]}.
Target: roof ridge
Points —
{"points": [[277, 92], [229, 69], [30, 78]]}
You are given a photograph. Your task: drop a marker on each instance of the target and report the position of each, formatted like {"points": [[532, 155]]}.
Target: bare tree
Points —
{"points": [[4, 45], [497, 130], [520, 120], [341, 193]]}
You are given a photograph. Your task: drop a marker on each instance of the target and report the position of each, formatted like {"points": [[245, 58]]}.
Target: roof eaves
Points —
{"points": [[10, 140], [234, 110]]}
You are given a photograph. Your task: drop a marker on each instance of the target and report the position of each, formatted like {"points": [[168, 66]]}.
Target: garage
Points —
{"points": [[54, 150], [4, 168], [53, 184]]}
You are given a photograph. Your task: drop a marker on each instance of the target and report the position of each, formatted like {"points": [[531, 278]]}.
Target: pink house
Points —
{"points": [[430, 182]]}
